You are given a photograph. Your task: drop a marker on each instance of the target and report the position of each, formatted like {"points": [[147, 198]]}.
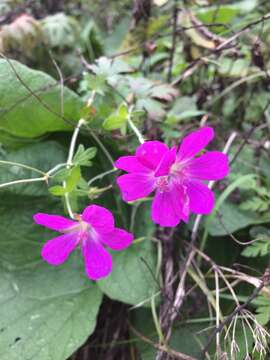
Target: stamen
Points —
{"points": [[163, 183]]}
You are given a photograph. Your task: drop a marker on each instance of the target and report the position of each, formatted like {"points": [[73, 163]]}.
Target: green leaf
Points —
{"points": [[261, 247], [46, 312], [225, 13], [132, 279], [164, 92], [117, 119], [237, 68], [263, 309], [62, 174], [231, 219], [58, 190], [73, 179], [183, 108], [22, 114], [108, 68], [83, 157], [113, 122]]}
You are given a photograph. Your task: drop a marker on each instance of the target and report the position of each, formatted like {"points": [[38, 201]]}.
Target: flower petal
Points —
{"points": [[166, 162], [57, 250], [150, 153], [130, 164], [135, 186], [170, 207], [99, 217], [195, 142], [213, 165], [119, 239], [54, 222], [202, 199], [98, 261]]}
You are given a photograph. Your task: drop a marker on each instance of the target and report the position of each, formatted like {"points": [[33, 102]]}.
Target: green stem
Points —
{"points": [[23, 181], [100, 176]]}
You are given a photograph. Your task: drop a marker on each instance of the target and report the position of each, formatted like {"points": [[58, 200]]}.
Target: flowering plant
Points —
{"points": [[122, 199]]}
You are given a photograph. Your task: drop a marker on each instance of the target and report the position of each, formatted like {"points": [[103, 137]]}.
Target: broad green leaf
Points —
{"points": [[46, 312], [13, 142], [42, 156], [230, 219], [132, 279], [22, 114]]}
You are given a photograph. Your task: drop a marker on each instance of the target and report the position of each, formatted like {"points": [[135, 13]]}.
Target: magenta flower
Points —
{"points": [[93, 230], [176, 176]]}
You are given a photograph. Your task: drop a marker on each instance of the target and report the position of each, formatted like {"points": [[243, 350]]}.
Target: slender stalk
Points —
{"points": [[100, 176], [217, 312], [55, 168], [4, 162], [156, 322], [23, 181], [91, 99], [69, 163], [133, 126], [73, 142]]}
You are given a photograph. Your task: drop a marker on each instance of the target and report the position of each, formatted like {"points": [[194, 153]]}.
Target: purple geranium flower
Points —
{"points": [[176, 176], [93, 230]]}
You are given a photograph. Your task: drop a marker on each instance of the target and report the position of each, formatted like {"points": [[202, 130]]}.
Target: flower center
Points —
{"points": [[163, 183]]}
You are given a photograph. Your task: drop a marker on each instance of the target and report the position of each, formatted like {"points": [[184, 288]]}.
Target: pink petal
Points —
{"points": [[99, 217], [98, 261], [213, 165], [135, 186], [170, 207], [130, 164], [57, 250], [166, 162], [195, 142], [150, 153], [119, 239], [202, 199], [54, 222]]}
